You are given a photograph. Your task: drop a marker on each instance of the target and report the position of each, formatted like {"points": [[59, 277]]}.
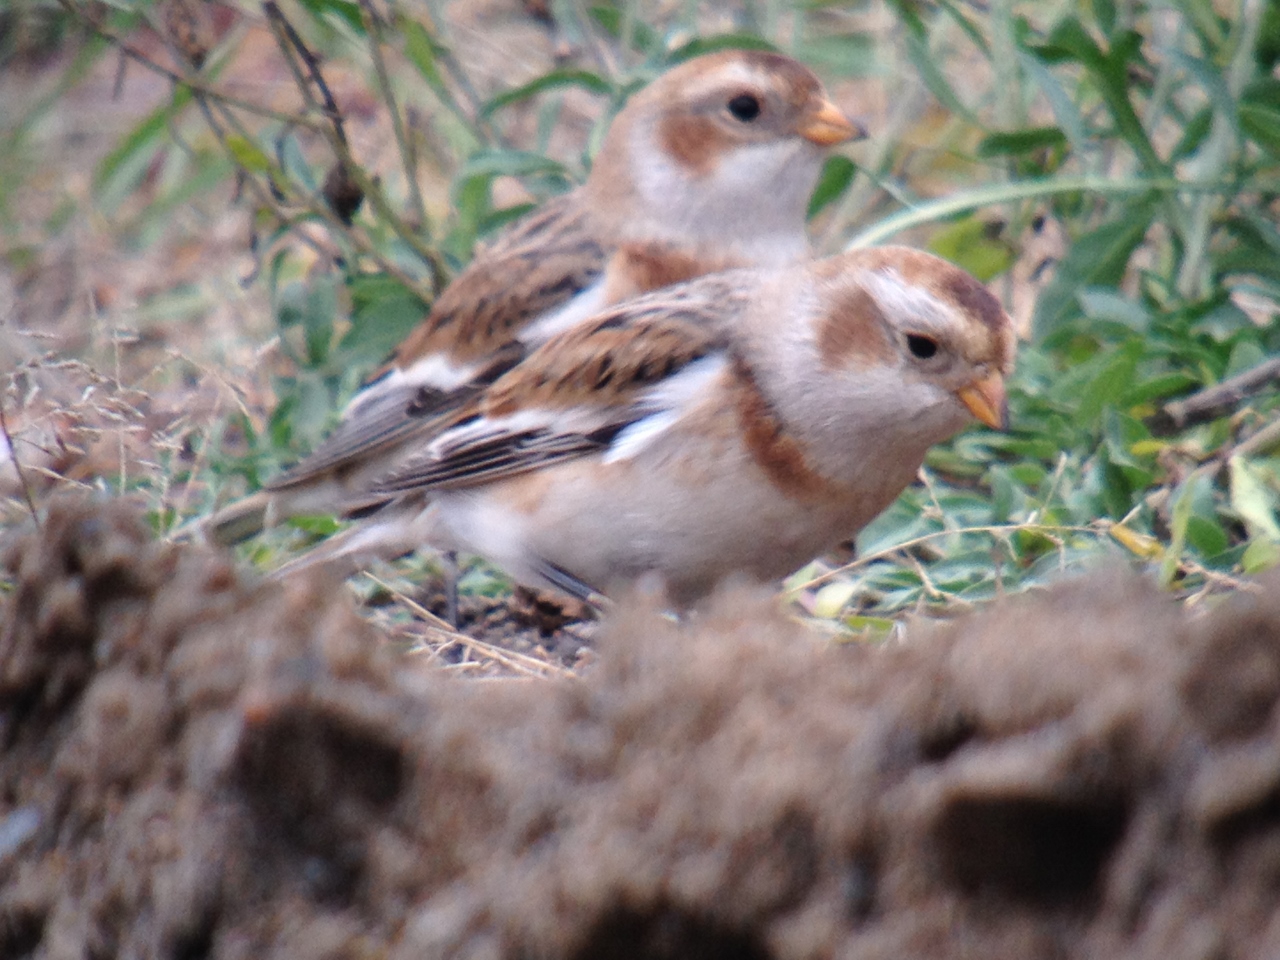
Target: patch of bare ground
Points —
{"points": [[195, 766]]}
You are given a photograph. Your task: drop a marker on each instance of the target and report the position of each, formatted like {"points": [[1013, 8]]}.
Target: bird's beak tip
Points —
{"points": [[829, 125], [987, 401]]}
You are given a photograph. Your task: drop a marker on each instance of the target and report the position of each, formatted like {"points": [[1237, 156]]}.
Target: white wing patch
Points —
{"points": [[668, 401], [586, 303], [435, 371]]}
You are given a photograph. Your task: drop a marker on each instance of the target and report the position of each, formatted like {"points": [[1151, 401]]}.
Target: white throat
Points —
{"points": [[751, 205]]}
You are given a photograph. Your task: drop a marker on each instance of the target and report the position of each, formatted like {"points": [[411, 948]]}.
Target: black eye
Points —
{"points": [[745, 107], [921, 346]]}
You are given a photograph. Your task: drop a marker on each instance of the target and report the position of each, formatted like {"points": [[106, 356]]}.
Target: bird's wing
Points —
{"points": [[470, 337], [610, 386]]}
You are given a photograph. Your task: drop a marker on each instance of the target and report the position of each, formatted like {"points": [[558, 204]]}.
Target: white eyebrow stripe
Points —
{"points": [[898, 299]]}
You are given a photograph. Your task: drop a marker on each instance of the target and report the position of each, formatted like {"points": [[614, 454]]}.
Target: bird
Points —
{"points": [[709, 167], [742, 423]]}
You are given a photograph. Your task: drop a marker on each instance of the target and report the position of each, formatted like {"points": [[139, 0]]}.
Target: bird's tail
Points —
{"points": [[391, 535], [233, 523]]}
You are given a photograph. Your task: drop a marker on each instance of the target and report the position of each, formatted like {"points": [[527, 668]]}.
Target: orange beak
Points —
{"points": [[828, 126], [986, 400]]}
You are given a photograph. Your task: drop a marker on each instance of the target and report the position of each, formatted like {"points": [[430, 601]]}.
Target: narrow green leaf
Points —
{"points": [[143, 137], [556, 79], [725, 41], [964, 23], [1261, 124], [644, 39], [927, 65], [1063, 106], [1018, 142], [1104, 11], [837, 174], [422, 50], [1180, 516], [342, 9], [247, 154]]}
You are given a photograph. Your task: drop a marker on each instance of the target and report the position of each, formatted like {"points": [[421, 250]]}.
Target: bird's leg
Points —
{"points": [[449, 561]]}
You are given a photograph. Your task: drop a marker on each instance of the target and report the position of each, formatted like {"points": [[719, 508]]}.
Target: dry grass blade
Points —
{"points": [[517, 662]]}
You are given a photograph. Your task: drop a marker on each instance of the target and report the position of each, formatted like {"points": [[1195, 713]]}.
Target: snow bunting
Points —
{"points": [[743, 422]]}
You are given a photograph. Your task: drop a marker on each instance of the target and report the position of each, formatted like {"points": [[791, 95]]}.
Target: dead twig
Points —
{"points": [[291, 45], [1216, 401], [178, 79], [17, 465]]}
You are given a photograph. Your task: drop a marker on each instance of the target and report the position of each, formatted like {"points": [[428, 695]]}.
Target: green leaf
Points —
{"points": [[1104, 303], [927, 66], [1261, 554], [1110, 383], [247, 154], [1097, 259], [422, 50], [1180, 516], [848, 55], [1261, 124], [512, 163], [971, 244], [725, 41], [382, 313], [143, 138], [1110, 70], [1064, 108], [1105, 13], [644, 38], [556, 79], [1252, 500], [837, 174], [342, 9], [1206, 536], [1018, 142]]}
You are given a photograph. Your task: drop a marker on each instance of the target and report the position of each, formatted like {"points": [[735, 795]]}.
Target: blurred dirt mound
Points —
{"points": [[194, 766]]}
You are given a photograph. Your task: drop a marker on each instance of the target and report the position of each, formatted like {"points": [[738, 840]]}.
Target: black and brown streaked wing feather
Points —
{"points": [[589, 383], [540, 264]]}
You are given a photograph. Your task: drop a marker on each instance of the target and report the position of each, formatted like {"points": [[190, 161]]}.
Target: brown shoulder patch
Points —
{"points": [[778, 454], [854, 330], [644, 267]]}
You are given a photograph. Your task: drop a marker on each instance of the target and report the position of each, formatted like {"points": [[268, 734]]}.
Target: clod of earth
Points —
{"points": [[197, 766]]}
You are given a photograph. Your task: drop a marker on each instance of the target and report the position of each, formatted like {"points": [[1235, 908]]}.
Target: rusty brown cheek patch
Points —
{"points": [[855, 331], [694, 142], [778, 455]]}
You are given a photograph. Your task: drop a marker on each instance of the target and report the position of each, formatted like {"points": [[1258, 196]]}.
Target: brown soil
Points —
{"points": [[196, 766]]}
